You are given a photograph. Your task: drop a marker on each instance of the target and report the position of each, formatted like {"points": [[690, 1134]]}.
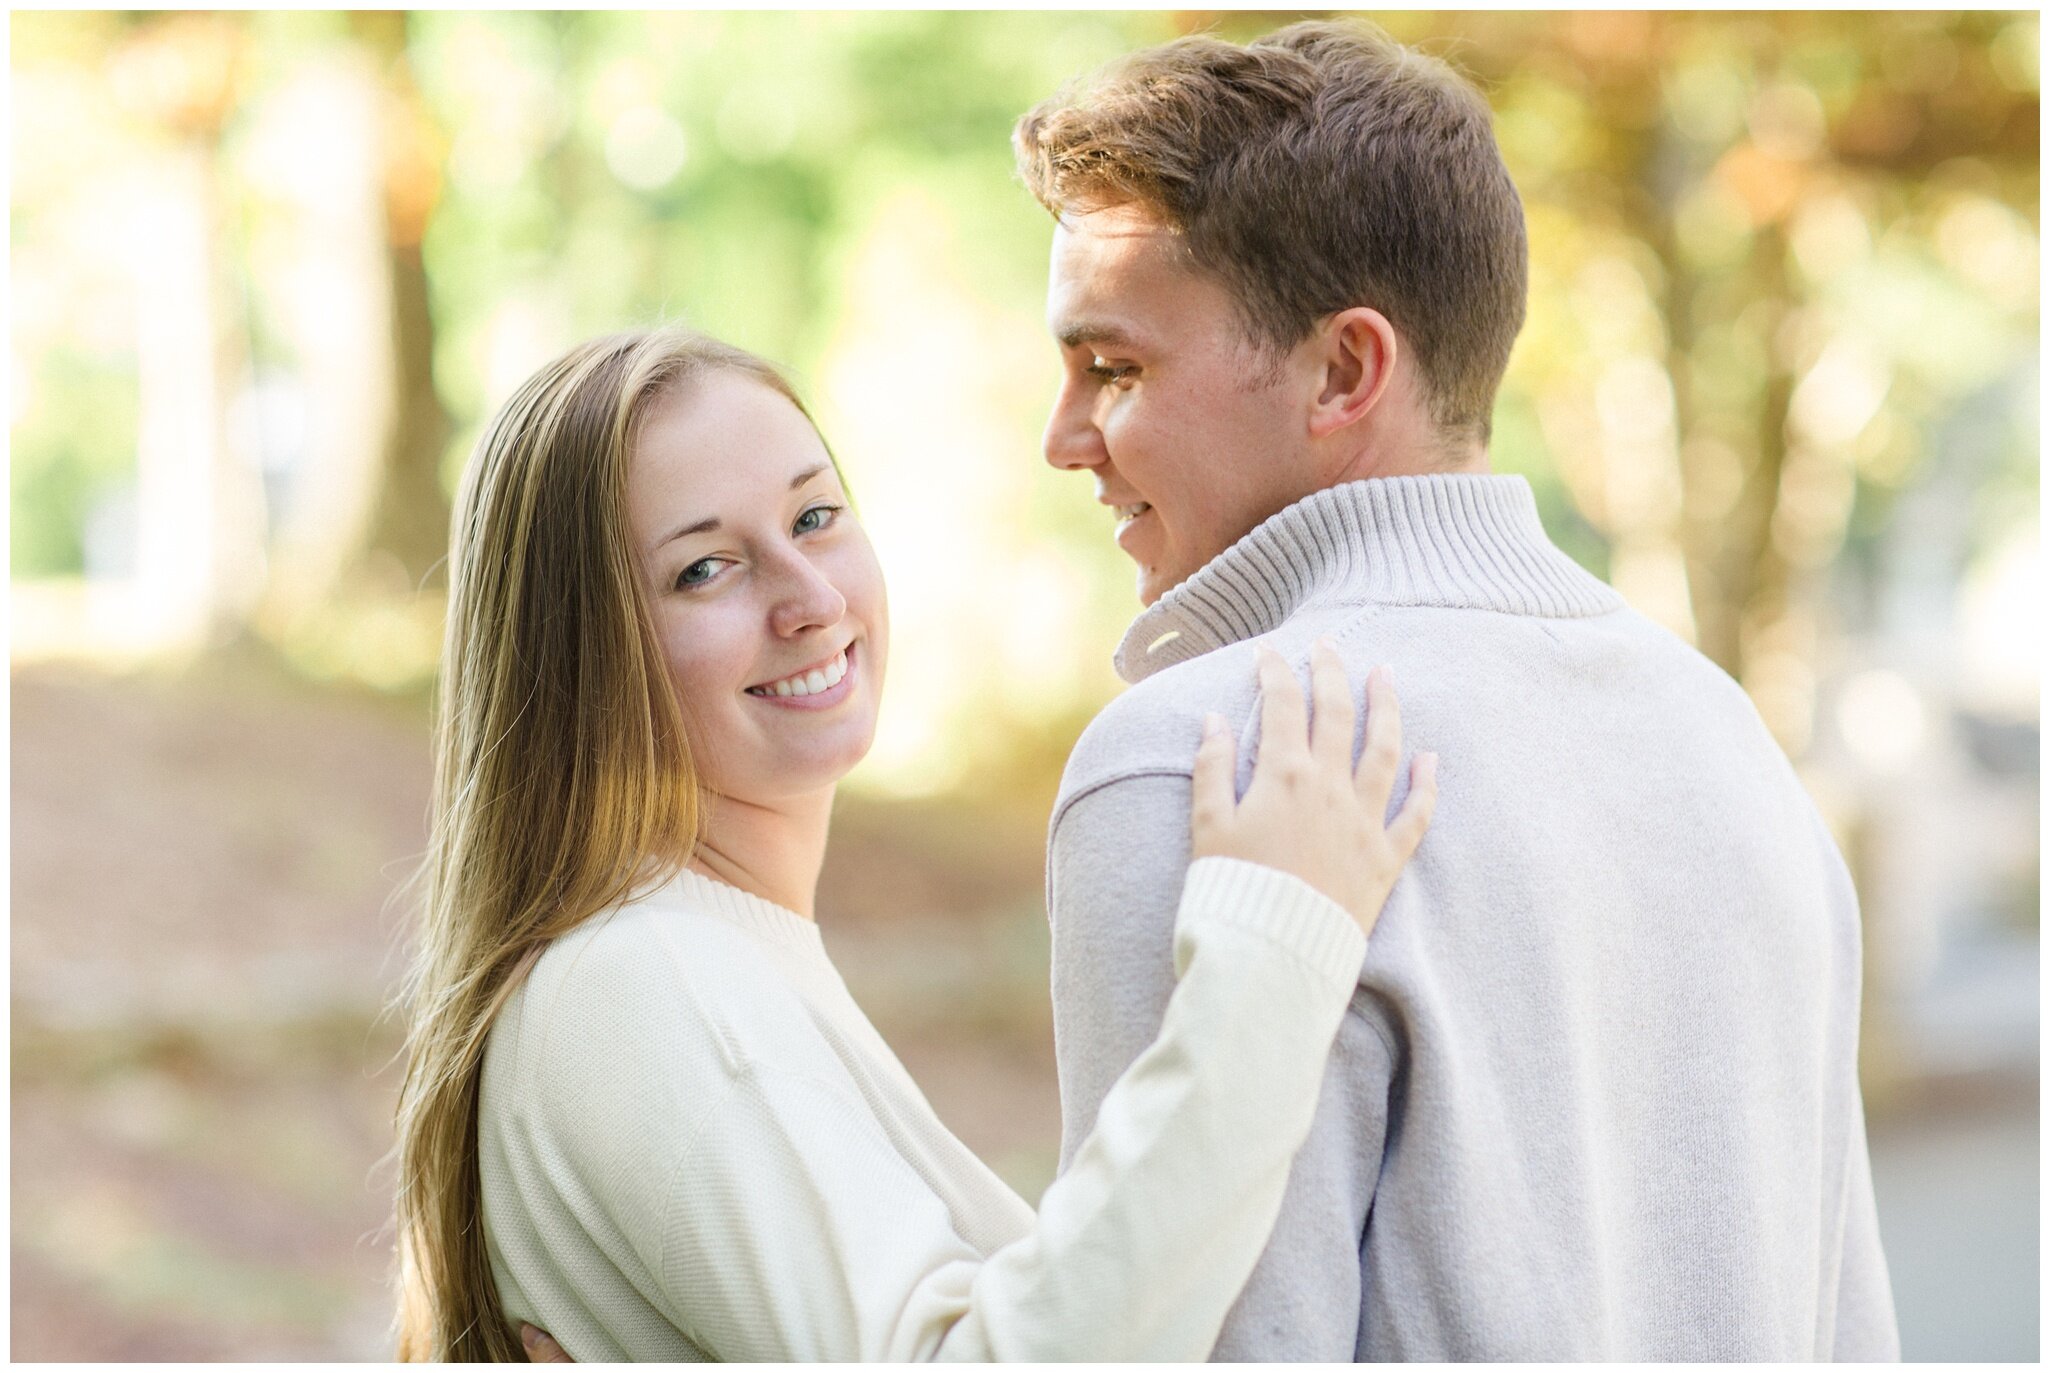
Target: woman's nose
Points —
{"points": [[805, 598]]}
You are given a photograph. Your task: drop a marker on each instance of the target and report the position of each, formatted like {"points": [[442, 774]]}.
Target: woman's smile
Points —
{"points": [[819, 687]]}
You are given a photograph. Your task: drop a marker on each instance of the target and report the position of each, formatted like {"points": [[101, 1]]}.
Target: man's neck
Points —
{"points": [[771, 851], [1422, 456]]}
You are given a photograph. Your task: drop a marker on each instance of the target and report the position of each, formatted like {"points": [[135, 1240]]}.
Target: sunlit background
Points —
{"points": [[270, 272]]}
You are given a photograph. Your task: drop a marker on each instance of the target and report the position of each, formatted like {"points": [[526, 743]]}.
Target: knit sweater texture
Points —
{"points": [[695, 1146], [1596, 1093]]}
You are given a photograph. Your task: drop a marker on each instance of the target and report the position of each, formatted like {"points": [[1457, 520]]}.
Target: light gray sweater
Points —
{"points": [[1596, 1095]]}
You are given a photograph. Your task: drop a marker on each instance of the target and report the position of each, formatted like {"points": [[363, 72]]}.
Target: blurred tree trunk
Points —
{"points": [[1736, 573], [409, 525], [199, 497], [1747, 609], [318, 141], [367, 519]]}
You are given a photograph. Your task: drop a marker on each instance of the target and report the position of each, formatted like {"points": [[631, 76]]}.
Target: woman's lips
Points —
{"points": [[817, 700]]}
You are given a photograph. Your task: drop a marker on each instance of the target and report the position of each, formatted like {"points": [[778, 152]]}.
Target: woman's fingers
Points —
{"points": [[1299, 816], [1214, 783], [1375, 775], [541, 1346], [1284, 732], [1415, 817], [1331, 724]]}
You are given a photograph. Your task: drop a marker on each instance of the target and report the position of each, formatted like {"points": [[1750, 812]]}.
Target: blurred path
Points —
{"points": [[200, 949], [1959, 1196]]}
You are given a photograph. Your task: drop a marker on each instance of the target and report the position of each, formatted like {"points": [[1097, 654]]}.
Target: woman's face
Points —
{"points": [[767, 596]]}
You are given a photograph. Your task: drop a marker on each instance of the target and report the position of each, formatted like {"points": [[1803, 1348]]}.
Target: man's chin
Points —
{"points": [[1157, 579], [1167, 569], [1154, 583]]}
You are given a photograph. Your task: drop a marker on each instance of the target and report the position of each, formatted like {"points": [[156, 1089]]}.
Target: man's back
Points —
{"points": [[1597, 1096]]}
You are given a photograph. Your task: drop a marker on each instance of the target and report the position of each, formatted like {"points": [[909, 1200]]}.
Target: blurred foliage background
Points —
{"points": [[270, 272]]}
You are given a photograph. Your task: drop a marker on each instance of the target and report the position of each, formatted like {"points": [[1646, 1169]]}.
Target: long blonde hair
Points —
{"points": [[563, 779]]}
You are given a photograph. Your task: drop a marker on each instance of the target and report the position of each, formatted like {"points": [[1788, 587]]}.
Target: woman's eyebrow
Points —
{"points": [[701, 527], [708, 526]]}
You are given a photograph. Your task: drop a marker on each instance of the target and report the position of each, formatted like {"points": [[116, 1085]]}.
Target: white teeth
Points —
{"points": [[1133, 512], [807, 683]]}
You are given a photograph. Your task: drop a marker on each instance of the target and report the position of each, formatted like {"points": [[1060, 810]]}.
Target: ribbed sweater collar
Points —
{"points": [[1458, 541], [763, 919]]}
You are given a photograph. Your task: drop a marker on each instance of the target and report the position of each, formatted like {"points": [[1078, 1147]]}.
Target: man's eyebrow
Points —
{"points": [[708, 526], [1085, 331]]}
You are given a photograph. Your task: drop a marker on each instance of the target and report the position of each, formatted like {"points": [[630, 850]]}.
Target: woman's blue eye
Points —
{"points": [[704, 569], [806, 524]]}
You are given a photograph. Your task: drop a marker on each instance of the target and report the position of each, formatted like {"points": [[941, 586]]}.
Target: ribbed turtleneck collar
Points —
{"points": [[1464, 541]]}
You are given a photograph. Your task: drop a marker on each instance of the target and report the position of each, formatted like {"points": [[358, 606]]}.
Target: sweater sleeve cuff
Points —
{"points": [[1275, 905]]}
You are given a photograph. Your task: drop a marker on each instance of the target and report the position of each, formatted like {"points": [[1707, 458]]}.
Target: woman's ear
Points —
{"points": [[1359, 349]]}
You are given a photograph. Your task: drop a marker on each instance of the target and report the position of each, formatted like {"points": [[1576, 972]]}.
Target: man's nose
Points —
{"points": [[1072, 440], [805, 597]]}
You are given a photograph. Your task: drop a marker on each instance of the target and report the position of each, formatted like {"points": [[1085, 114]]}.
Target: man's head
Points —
{"points": [[1275, 267]]}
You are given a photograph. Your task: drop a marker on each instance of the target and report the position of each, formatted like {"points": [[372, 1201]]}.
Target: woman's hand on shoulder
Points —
{"points": [[1309, 811], [541, 1346]]}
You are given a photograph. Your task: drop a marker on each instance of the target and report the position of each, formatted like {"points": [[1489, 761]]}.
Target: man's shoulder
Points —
{"points": [[1153, 727]]}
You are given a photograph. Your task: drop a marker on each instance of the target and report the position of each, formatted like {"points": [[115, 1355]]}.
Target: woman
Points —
{"points": [[640, 1109]]}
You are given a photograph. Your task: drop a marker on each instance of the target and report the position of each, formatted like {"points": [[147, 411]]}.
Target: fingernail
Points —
{"points": [[1327, 643], [1387, 674], [527, 1337], [1213, 725]]}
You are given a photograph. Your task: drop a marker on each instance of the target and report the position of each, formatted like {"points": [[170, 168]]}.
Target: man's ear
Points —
{"points": [[1358, 351]]}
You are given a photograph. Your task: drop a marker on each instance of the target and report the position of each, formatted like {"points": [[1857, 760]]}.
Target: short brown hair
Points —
{"points": [[1321, 167]]}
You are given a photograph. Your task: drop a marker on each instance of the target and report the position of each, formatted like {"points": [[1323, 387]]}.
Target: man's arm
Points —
{"points": [[1862, 1328], [1866, 1329], [1114, 875], [1116, 859]]}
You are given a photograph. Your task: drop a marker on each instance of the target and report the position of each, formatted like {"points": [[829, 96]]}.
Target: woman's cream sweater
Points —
{"points": [[695, 1146]]}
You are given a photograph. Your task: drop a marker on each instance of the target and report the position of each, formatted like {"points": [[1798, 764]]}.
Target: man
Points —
{"points": [[1596, 1096]]}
